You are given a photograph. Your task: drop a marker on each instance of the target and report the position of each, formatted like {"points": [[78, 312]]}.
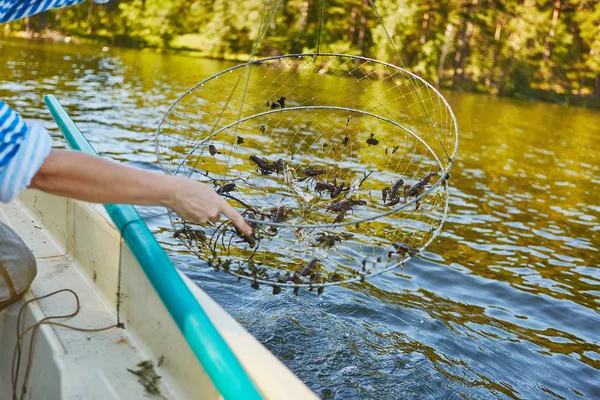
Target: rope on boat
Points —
{"points": [[18, 351]]}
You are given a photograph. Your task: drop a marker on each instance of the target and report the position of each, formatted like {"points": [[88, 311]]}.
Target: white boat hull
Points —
{"points": [[77, 247]]}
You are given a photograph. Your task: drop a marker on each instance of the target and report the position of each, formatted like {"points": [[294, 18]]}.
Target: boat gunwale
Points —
{"points": [[209, 347]]}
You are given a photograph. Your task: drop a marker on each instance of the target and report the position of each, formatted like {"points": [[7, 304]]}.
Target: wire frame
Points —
{"points": [[328, 120]]}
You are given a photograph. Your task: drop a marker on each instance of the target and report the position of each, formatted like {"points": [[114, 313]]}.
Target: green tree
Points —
{"points": [[516, 47]]}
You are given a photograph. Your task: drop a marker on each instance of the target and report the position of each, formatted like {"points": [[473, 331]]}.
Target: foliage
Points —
{"points": [[502, 46]]}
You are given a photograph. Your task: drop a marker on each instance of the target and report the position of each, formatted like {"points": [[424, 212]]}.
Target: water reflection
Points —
{"points": [[504, 304]]}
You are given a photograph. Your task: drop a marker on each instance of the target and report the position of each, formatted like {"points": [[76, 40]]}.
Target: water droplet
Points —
{"points": [[351, 369]]}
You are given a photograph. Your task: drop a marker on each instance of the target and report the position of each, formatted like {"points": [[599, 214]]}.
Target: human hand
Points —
{"points": [[85, 177], [198, 202]]}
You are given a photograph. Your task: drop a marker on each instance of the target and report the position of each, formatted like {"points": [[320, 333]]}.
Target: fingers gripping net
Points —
{"points": [[339, 163]]}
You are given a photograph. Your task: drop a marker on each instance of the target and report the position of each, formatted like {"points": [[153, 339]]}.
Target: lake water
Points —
{"points": [[504, 304]]}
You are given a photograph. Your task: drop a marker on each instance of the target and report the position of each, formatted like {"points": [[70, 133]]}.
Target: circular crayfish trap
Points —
{"points": [[340, 164]]}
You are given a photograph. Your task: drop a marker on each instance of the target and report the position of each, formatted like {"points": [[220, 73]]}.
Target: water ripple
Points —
{"points": [[505, 304]]}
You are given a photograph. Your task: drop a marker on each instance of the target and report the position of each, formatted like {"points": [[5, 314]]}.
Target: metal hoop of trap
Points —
{"points": [[339, 162]]}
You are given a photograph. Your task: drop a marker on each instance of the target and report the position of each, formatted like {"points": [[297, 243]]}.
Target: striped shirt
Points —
{"points": [[11, 10], [23, 148]]}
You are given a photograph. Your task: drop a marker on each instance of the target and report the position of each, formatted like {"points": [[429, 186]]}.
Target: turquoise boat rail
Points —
{"points": [[213, 353]]}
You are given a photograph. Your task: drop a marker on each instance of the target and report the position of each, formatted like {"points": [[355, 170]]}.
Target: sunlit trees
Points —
{"points": [[516, 47]]}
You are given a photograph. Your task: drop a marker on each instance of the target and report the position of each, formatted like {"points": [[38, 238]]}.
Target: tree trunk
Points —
{"points": [[353, 15], [424, 25], [27, 25], [467, 49], [361, 33], [460, 46], [363, 27], [550, 36], [445, 50], [303, 15], [499, 24], [90, 14], [301, 25], [498, 47], [462, 51], [596, 93], [515, 42]]}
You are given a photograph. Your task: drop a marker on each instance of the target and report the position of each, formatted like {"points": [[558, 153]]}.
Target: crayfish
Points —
{"points": [[393, 194], [264, 166]]}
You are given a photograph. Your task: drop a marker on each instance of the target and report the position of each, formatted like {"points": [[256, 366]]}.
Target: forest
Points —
{"points": [[539, 49]]}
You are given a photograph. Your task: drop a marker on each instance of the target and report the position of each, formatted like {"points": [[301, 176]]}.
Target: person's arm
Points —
{"points": [[89, 178]]}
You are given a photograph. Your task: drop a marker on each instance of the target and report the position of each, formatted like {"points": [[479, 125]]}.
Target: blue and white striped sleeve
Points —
{"points": [[23, 150], [11, 10]]}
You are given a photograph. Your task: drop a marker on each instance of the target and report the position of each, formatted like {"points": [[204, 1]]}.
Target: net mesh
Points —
{"points": [[339, 162]]}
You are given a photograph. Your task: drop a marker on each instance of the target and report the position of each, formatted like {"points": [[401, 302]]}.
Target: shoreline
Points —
{"points": [[534, 94]]}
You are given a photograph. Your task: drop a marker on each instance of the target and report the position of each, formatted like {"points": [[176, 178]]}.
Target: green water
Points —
{"points": [[504, 304]]}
